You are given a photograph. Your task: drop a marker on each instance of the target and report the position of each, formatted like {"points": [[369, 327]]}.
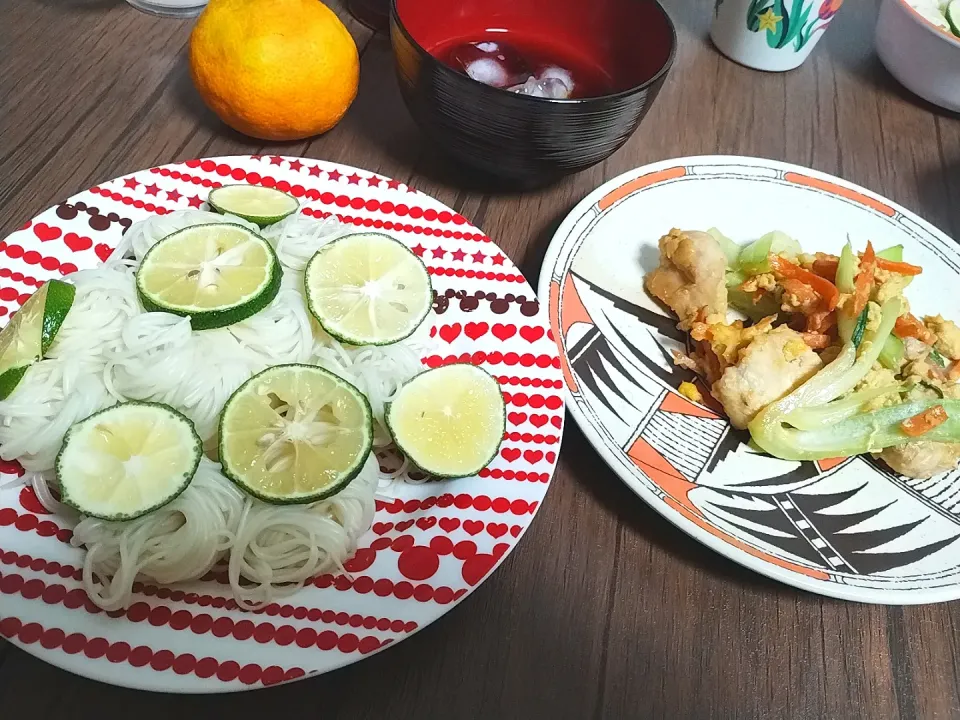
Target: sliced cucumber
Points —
{"points": [[295, 434], [217, 275], [32, 330], [449, 421], [123, 462], [260, 205], [368, 289]]}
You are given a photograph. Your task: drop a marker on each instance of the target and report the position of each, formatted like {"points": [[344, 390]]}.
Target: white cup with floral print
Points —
{"points": [[774, 35]]}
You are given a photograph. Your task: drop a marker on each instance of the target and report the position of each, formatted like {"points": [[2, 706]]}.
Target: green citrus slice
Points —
{"points": [[368, 289], [123, 462], [216, 275], [295, 434], [449, 421], [31, 331], [260, 205]]}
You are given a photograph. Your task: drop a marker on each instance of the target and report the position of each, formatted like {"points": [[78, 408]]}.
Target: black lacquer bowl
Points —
{"points": [[518, 138]]}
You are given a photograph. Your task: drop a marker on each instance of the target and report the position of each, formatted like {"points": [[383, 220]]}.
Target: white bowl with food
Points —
{"points": [[919, 43]]}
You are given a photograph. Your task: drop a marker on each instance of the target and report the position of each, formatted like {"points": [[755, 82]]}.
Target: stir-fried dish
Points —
{"points": [[829, 361]]}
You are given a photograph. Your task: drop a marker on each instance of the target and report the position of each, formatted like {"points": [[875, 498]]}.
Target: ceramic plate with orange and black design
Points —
{"points": [[847, 527]]}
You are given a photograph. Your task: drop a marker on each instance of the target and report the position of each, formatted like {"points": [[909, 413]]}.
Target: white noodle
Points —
{"points": [[109, 350], [298, 237], [278, 549], [181, 541]]}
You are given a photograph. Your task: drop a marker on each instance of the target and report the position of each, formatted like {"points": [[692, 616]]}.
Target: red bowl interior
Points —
{"points": [[628, 41]]}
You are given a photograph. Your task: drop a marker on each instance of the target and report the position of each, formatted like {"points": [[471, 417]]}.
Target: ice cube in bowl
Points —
{"points": [[530, 90]]}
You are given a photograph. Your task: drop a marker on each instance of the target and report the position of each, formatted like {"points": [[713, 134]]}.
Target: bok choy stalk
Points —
{"points": [[805, 425]]}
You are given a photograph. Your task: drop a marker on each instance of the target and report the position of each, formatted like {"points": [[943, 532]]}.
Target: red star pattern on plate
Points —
{"points": [[439, 252], [458, 254], [275, 160], [130, 183], [479, 257], [354, 179], [315, 171], [151, 189], [334, 175], [498, 259], [374, 181], [418, 250], [195, 201], [173, 195], [393, 184], [296, 165]]}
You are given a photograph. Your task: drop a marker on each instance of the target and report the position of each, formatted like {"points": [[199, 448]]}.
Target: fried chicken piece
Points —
{"points": [[772, 365], [922, 458], [690, 278]]}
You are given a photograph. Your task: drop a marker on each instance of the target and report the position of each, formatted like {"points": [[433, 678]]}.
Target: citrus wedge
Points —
{"points": [[31, 332], [127, 460], [216, 275], [449, 421], [295, 434], [368, 289], [260, 205]]}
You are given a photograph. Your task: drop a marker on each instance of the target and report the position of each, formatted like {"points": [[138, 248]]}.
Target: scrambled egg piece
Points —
{"points": [[889, 285], [767, 369], [690, 278], [874, 316], [690, 391], [922, 458], [948, 335], [763, 281], [879, 377]]}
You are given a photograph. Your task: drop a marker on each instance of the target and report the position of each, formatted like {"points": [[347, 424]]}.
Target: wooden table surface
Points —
{"points": [[605, 610]]}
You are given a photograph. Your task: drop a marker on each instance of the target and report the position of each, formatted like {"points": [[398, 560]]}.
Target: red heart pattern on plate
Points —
{"points": [[78, 243], [475, 330], [45, 232], [449, 333]]}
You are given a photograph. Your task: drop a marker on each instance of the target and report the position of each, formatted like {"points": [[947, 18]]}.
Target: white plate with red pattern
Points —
{"points": [[427, 549]]}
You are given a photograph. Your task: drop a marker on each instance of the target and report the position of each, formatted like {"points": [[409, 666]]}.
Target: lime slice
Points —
{"points": [[260, 205], [123, 462], [449, 421], [953, 16], [31, 331], [216, 275], [295, 434], [368, 289]]}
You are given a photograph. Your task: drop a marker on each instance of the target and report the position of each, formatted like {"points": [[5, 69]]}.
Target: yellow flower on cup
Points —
{"points": [[769, 21]]}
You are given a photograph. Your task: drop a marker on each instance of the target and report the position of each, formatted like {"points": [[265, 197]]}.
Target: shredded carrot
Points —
{"points": [[924, 422], [824, 288], [863, 283], [901, 268], [908, 326], [816, 341], [821, 322], [826, 266]]}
